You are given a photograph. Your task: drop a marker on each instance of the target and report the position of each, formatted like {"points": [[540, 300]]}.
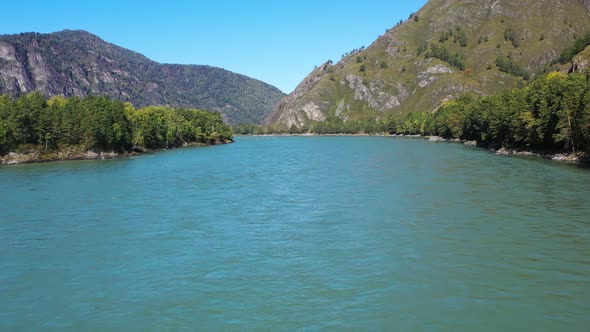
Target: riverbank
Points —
{"points": [[571, 157], [76, 153], [312, 135], [577, 157]]}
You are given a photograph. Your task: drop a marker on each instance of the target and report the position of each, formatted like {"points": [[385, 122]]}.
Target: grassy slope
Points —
{"points": [[557, 21]]}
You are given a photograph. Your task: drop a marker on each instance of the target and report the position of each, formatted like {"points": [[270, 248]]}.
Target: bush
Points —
{"points": [[578, 46]]}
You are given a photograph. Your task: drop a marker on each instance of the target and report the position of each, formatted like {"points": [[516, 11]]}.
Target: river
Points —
{"points": [[297, 233]]}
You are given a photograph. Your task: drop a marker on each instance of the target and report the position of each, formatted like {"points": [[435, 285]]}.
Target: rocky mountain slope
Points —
{"points": [[77, 63], [448, 48]]}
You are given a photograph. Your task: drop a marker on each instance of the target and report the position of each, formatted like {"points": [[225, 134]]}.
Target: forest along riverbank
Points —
{"points": [[35, 129]]}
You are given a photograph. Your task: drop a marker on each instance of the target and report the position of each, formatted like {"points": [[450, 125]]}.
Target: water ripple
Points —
{"points": [[301, 233]]}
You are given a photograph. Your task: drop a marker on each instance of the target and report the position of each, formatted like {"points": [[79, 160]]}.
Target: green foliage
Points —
{"points": [[444, 36], [383, 64], [101, 124], [578, 46], [335, 125], [506, 65], [391, 125], [553, 113], [441, 52], [415, 123], [510, 35], [423, 47], [461, 38], [331, 126], [162, 126], [363, 68]]}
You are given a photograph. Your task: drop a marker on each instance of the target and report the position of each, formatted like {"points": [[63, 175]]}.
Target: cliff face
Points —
{"points": [[309, 111], [448, 48], [77, 63]]}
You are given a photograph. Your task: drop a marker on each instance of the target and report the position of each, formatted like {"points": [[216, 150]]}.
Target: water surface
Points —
{"points": [[297, 233]]}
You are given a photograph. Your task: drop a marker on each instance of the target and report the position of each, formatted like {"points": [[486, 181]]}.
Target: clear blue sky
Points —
{"points": [[277, 41]]}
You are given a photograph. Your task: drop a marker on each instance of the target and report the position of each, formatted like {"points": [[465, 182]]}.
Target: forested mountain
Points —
{"points": [[77, 63], [447, 49]]}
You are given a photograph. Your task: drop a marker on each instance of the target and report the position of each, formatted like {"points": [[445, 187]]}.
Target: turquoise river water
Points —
{"points": [[297, 233]]}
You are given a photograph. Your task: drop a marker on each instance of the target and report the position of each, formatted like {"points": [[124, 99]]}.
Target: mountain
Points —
{"points": [[77, 63], [447, 49]]}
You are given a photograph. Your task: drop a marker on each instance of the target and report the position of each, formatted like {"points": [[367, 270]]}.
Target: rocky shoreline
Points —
{"points": [[15, 158], [575, 158], [73, 153]]}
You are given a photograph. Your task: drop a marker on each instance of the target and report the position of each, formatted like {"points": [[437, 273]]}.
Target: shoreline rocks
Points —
{"points": [[29, 157], [470, 143], [574, 157], [15, 158]]}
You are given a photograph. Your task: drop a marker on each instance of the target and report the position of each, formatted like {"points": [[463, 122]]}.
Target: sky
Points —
{"points": [[278, 42]]}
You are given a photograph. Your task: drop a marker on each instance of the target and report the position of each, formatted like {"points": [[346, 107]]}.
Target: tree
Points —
{"points": [[506, 65], [102, 124], [25, 118], [461, 38], [51, 121], [578, 46], [5, 135], [510, 35], [440, 52], [570, 115], [448, 120], [391, 125]]}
